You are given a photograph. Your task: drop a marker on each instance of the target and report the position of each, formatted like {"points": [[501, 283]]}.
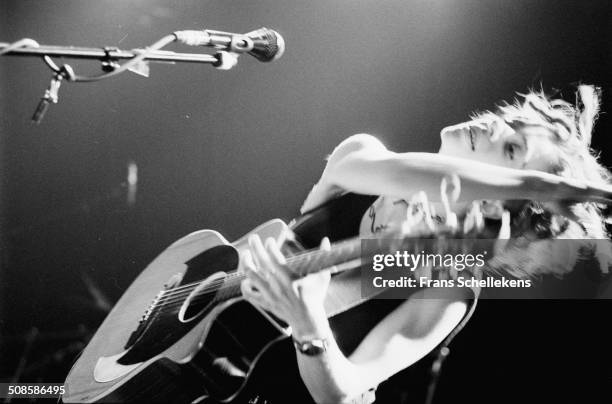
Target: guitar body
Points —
{"points": [[182, 333], [193, 348]]}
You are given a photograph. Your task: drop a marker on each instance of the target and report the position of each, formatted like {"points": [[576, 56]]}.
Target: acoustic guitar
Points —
{"points": [[182, 332]]}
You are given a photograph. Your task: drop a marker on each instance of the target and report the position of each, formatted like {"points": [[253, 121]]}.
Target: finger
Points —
{"points": [[246, 261], [260, 279], [451, 222], [278, 259], [261, 257], [274, 252], [325, 244], [450, 188], [257, 279], [427, 213], [469, 222], [474, 219], [324, 277], [505, 229], [268, 268], [503, 236]]}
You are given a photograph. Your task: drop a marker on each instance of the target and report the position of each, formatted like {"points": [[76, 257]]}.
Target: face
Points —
{"points": [[491, 140]]}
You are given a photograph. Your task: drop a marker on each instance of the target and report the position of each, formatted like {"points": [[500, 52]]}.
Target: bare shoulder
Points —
{"points": [[354, 143], [324, 189]]}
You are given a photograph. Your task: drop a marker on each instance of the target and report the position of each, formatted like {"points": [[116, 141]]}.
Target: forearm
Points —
{"points": [[404, 174], [424, 171], [330, 376]]}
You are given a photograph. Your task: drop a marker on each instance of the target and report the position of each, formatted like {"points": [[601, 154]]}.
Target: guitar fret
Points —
{"points": [[314, 261]]}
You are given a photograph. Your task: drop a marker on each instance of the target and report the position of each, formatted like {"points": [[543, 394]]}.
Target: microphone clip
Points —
{"points": [[51, 93], [225, 60]]}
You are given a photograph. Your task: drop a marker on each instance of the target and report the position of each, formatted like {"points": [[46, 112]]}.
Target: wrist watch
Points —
{"points": [[311, 347]]}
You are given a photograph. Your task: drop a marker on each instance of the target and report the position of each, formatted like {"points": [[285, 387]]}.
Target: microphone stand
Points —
{"points": [[109, 57], [109, 54]]}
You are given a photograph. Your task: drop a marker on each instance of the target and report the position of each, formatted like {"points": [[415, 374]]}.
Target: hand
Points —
{"points": [[270, 285], [545, 187]]}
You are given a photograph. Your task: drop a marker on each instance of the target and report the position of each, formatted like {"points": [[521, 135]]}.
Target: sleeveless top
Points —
{"points": [[347, 216]]}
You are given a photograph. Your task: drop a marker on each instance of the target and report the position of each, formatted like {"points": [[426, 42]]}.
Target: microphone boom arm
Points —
{"points": [[104, 54]]}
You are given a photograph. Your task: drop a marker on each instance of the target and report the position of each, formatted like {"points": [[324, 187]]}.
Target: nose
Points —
{"points": [[489, 129]]}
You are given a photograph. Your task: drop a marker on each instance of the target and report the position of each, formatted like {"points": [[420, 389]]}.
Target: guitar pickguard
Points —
{"points": [[165, 326]]}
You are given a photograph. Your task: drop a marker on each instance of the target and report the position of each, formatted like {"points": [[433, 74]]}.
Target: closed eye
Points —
{"points": [[511, 150]]}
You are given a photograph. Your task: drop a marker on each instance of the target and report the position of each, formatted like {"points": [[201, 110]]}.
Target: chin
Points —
{"points": [[453, 146]]}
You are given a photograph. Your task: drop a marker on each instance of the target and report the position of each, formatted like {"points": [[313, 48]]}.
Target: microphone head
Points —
{"points": [[268, 45]]}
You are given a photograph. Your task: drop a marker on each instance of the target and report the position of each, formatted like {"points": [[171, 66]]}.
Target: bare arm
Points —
{"points": [[362, 164], [399, 340], [402, 338]]}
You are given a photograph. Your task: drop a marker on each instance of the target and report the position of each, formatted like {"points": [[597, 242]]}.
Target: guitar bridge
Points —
{"points": [[144, 321]]}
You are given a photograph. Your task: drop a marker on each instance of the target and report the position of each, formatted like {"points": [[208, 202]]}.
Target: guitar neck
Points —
{"points": [[353, 252], [305, 263], [353, 249], [313, 261]]}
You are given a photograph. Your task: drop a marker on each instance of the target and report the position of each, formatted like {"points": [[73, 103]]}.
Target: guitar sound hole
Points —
{"points": [[201, 298]]}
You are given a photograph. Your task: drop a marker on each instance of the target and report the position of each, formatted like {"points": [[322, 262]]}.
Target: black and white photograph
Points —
{"points": [[327, 201]]}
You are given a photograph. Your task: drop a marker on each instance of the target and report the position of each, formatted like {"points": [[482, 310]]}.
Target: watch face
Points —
{"points": [[311, 348]]}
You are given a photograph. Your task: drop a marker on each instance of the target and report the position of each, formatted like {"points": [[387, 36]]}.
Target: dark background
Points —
{"points": [[229, 150]]}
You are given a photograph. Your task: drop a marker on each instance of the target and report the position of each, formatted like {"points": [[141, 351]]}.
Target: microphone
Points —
{"points": [[264, 44]]}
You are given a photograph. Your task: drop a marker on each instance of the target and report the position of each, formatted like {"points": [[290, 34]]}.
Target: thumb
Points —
{"points": [[322, 277], [325, 274], [325, 244]]}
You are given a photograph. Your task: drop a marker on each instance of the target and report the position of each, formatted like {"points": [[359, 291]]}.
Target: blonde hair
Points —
{"points": [[531, 252]]}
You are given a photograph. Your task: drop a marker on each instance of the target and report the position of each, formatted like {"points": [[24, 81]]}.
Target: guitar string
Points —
{"points": [[204, 294], [306, 255], [170, 305], [175, 297], [231, 278], [217, 286], [293, 260], [361, 299], [227, 283], [200, 297]]}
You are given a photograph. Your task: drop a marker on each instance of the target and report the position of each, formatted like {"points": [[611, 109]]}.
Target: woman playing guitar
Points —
{"points": [[517, 154]]}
